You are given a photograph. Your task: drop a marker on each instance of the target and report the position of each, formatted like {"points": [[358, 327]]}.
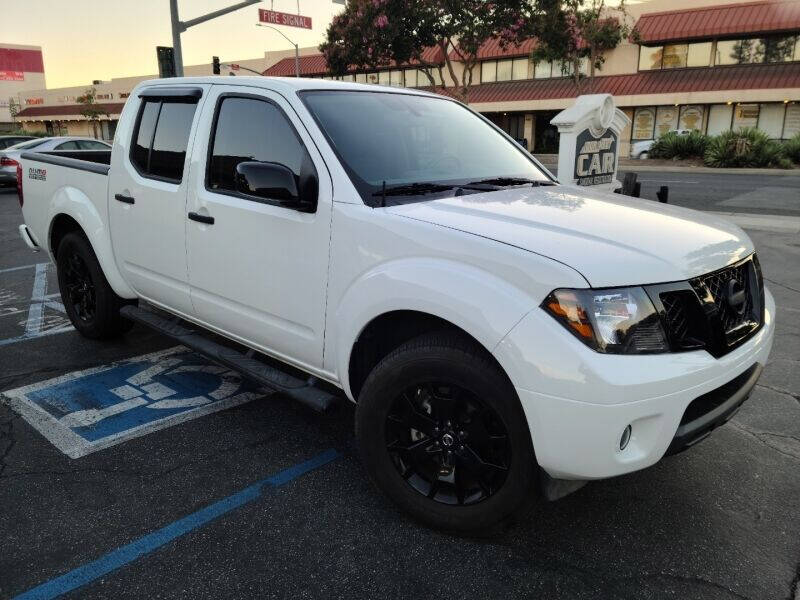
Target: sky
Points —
{"points": [[84, 40]]}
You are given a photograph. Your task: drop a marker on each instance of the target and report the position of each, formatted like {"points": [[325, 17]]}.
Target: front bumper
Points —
{"points": [[579, 402]]}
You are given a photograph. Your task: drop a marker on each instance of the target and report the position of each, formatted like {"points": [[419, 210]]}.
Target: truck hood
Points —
{"points": [[612, 240]]}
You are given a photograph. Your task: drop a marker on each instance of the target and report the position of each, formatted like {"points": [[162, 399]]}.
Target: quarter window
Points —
{"points": [[162, 137], [252, 130]]}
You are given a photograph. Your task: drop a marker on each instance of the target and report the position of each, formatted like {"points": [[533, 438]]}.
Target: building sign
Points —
{"points": [[34, 100], [595, 157], [691, 117], [643, 121], [745, 115], [273, 17], [12, 76]]}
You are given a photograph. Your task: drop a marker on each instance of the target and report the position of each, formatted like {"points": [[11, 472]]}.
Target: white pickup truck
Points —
{"points": [[500, 334]]}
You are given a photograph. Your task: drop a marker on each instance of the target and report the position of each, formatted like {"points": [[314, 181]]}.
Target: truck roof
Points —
{"points": [[285, 84]]}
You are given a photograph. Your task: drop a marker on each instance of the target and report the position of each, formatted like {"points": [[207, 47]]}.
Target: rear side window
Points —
{"points": [[67, 146], [161, 137], [249, 129], [90, 145]]}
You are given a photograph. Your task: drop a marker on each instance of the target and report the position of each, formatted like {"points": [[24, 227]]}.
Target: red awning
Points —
{"points": [[749, 18], [112, 108], [314, 64], [493, 49], [740, 77], [20, 59]]}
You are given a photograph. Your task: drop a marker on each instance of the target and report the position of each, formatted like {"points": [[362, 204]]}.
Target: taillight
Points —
{"points": [[7, 162], [19, 183]]}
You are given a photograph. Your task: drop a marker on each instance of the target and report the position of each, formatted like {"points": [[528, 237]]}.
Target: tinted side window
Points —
{"points": [[249, 129], [140, 153], [162, 137], [67, 146], [89, 145]]}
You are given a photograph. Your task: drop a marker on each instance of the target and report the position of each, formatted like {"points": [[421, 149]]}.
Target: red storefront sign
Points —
{"points": [[12, 76], [273, 17]]}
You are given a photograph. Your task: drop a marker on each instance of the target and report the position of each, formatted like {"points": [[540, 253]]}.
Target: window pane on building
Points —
{"points": [[791, 124], [383, 77], [542, 69], [583, 67], [520, 68], [719, 119], [666, 120], [797, 48], [691, 117], [562, 68], [745, 115], [650, 57], [488, 71], [726, 53], [675, 56], [644, 120], [699, 55], [396, 78], [770, 119], [361, 77], [504, 70], [777, 49], [739, 52]]}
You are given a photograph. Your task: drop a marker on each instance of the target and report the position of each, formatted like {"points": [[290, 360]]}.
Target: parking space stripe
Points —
{"points": [[130, 552], [9, 269]]}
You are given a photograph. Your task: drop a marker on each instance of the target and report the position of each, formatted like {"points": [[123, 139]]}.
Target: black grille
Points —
{"points": [[702, 313]]}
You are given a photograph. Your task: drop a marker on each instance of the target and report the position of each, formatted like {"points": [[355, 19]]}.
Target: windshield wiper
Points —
{"points": [[507, 181], [414, 189]]}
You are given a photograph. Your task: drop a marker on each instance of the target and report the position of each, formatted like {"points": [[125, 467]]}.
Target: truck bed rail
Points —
{"points": [[94, 161]]}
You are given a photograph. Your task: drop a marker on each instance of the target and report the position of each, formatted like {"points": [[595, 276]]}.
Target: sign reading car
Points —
{"points": [[273, 17], [595, 157]]}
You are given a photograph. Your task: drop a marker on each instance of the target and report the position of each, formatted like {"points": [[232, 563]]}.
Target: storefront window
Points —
{"points": [[791, 122], [383, 78], [691, 117], [504, 70], [372, 78], [520, 69], [719, 119], [643, 122], [650, 57], [666, 120], [770, 119], [488, 71], [396, 78], [543, 69], [674, 56], [411, 77], [745, 115], [361, 77], [699, 55]]}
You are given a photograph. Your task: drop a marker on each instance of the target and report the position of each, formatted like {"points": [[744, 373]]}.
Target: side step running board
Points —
{"points": [[303, 391]]}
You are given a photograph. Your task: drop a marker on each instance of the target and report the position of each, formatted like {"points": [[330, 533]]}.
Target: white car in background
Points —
{"points": [[641, 150], [9, 158]]}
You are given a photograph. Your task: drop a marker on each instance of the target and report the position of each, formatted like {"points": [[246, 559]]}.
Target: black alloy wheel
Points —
{"points": [[80, 289], [447, 444]]}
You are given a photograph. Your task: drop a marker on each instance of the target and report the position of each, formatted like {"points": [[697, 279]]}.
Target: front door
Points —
{"points": [[147, 199], [259, 272]]}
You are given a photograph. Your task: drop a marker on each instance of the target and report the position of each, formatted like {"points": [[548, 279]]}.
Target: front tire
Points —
{"points": [[91, 304], [442, 433]]}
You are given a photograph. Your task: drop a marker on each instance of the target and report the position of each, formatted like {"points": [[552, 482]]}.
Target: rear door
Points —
{"points": [[260, 271], [147, 204]]}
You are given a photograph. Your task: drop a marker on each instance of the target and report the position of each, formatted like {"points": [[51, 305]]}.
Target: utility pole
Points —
{"points": [[296, 47], [178, 26]]}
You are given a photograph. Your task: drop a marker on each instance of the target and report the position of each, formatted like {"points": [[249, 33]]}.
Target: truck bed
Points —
{"points": [[95, 161]]}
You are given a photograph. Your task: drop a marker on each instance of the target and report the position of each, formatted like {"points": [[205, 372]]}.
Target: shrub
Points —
{"points": [[791, 148], [672, 145], [747, 147]]}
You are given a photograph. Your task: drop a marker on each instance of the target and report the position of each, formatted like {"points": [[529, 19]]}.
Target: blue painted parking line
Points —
{"points": [[126, 554], [89, 410]]}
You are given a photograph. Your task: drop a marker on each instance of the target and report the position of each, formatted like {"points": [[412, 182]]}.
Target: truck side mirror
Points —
{"points": [[274, 181]]}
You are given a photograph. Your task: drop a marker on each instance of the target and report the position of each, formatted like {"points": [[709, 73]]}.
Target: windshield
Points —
{"points": [[27, 144], [398, 140]]}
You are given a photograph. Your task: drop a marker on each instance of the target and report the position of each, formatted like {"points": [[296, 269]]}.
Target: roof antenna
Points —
{"points": [[383, 194]]}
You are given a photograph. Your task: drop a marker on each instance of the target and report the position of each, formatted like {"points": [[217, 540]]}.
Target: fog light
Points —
{"points": [[626, 437]]}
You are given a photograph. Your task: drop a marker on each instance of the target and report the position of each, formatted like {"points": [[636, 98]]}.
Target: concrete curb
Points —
{"points": [[774, 223]]}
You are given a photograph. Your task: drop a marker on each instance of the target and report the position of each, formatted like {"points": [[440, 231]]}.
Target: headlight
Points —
{"points": [[615, 321]]}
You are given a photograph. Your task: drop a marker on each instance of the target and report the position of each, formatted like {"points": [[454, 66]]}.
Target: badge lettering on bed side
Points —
{"points": [[36, 173]]}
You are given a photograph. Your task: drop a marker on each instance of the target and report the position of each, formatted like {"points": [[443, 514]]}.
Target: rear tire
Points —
{"points": [[91, 304], [441, 393]]}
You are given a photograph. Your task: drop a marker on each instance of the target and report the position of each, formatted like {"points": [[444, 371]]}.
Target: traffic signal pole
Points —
{"points": [[178, 26]]}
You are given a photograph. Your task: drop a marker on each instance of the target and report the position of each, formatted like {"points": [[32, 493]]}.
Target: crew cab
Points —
{"points": [[500, 334]]}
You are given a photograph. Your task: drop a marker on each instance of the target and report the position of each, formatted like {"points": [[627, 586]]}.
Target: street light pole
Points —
{"points": [[179, 26], [296, 48]]}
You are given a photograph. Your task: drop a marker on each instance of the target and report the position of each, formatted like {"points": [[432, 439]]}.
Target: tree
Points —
{"points": [[91, 111], [380, 33], [572, 31]]}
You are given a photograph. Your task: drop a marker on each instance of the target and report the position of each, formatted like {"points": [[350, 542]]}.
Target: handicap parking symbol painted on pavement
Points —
{"points": [[86, 411]]}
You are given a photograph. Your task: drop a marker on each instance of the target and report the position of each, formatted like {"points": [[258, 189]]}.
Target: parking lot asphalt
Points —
{"points": [[266, 499]]}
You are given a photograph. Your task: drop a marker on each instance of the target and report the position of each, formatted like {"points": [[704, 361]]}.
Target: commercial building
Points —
{"points": [[697, 64], [21, 69], [711, 68]]}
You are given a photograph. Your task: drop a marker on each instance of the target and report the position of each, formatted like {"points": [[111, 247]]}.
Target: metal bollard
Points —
{"points": [[663, 194]]}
